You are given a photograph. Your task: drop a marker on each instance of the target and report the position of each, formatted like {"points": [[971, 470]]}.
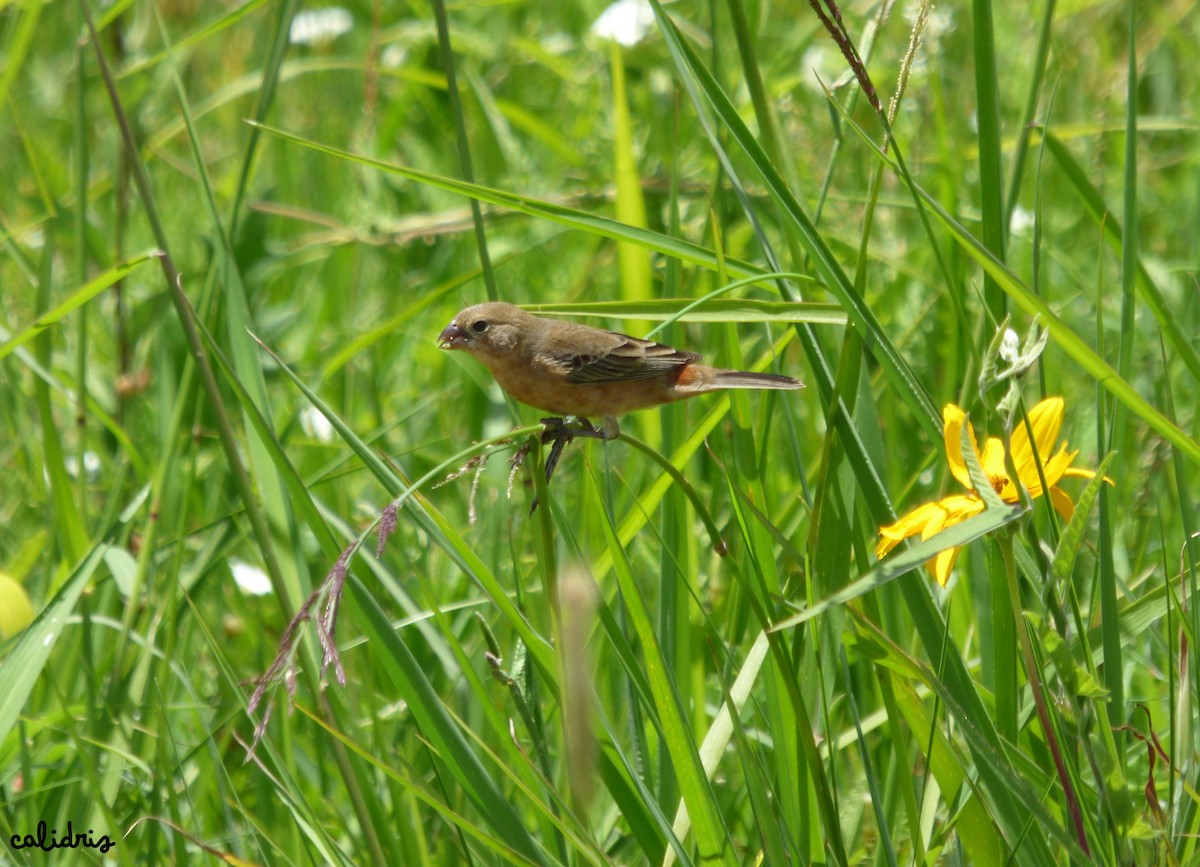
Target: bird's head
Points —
{"points": [[493, 329]]}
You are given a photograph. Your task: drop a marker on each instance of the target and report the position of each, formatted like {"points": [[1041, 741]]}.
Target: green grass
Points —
{"points": [[214, 239]]}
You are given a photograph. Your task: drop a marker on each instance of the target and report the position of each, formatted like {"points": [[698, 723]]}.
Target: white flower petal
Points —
{"points": [[314, 423], [91, 466], [250, 579], [1010, 346], [318, 26], [1021, 222], [626, 22]]}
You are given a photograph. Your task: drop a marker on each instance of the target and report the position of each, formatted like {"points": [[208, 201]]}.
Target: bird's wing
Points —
{"points": [[626, 359]]}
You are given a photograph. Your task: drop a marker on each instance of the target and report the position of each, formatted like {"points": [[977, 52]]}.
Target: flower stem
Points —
{"points": [[1004, 641], [1039, 697]]}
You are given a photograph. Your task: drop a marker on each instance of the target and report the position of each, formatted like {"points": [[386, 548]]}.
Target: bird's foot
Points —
{"points": [[559, 428], [558, 432]]}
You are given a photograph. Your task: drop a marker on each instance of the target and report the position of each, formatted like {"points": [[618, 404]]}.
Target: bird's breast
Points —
{"points": [[545, 387]]}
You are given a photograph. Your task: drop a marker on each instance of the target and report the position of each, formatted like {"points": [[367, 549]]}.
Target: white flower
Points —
{"points": [[314, 423], [557, 43], [250, 579], [1021, 222], [1010, 346], [91, 466], [318, 26], [393, 56], [626, 22]]}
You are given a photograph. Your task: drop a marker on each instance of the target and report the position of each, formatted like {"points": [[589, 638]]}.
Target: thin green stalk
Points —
{"points": [[186, 316], [1113, 668], [1003, 649], [1025, 130], [229, 443], [987, 112], [446, 53], [714, 534], [264, 98], [81, 333], [71, 531], [1129, 230], [877, 800], [1005, 543]]}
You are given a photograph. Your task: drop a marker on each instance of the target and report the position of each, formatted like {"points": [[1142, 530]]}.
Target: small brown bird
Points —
{"points": [[574, 370]]}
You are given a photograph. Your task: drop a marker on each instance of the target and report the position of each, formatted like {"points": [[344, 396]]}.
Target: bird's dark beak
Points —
{"points": [[452, 337]]}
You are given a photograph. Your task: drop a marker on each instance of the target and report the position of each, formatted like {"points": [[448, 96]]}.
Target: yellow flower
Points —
{"points": [[1045, 419], [15, 611]]}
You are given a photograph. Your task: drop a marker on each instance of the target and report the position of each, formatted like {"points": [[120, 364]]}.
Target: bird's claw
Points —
{"points": [[558, 434]]}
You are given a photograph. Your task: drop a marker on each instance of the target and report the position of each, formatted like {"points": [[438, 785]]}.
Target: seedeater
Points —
{"points": [[575, 370]]}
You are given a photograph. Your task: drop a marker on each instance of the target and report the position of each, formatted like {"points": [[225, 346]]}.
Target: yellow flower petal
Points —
{"points": [[943, 564], [992, 459], [1062, 502], [936, 523], [1054, 468], [952, 421], [993, 467], [929, 520], [909, 525], [1046, 420], [960, 507], [1081, 473]]}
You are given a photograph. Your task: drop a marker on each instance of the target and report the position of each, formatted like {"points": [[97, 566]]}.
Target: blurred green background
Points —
{"points": [[221, 285]]}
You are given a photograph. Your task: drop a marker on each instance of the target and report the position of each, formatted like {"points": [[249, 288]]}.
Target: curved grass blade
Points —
{"points": [[437, 725], [717, 310], [712, 836], [31, 648], [205, 31], [1070, 342], [74, 301], [960, 534], [1181, 342], [421, 790], [1072, 536], [717, 738], [432, 522], [836, 281], [1009, 781], [677, 248]]}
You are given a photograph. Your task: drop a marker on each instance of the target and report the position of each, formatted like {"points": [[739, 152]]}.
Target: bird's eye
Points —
{"points": [[480, 326]]}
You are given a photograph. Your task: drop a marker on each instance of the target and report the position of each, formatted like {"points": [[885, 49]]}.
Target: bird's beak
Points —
{"points": [[452, 337]]}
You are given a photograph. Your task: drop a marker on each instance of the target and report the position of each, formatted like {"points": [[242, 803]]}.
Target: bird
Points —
{"points": [[574, 370]]}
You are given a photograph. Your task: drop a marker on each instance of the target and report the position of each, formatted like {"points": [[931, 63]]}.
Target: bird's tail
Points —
{"points": [[746, 379]]}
